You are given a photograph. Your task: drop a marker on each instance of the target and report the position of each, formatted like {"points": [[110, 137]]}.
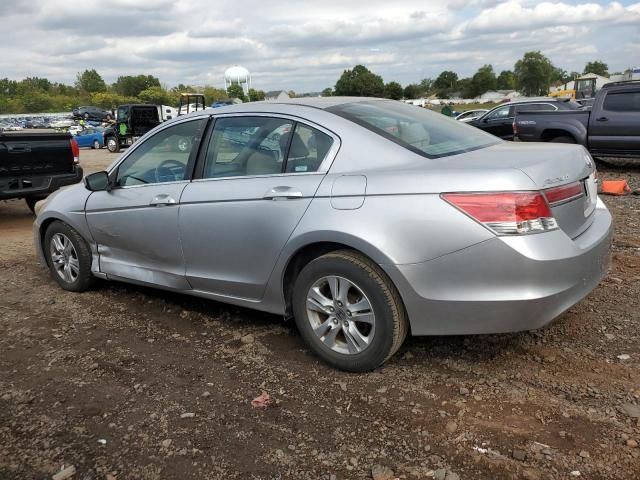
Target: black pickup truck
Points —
{"points": [[610, 128], [32, 165]]}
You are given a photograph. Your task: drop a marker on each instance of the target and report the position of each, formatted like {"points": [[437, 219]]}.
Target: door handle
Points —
{"points": [[162, 200], [282, 193], [602, 119]]}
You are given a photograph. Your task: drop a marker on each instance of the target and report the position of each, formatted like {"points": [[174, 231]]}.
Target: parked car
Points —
{"points": [[499, 120], [32, 165], [132, 122], [61, 123], [471, 115], [314, 209], [92, 113], [90, 137], [610, 127]]}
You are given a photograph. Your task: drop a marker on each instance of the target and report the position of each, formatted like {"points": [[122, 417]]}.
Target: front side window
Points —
{"points": [[622, 102], [500, 113], [426, 133], [161, 158], [242, 146]]}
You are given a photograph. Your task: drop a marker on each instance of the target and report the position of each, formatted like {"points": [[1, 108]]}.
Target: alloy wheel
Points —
{"points": [[340, 315], [64, 258]]}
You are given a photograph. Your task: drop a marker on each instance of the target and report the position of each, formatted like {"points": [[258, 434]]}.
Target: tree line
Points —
{"points": [[532, 75], [40, 95]]}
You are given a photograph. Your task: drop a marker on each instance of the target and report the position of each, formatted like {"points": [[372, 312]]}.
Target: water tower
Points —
{"points": [[237, 75]]}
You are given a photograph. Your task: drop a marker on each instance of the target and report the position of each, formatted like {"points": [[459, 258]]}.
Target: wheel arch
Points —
{"points": [[308, 251]]}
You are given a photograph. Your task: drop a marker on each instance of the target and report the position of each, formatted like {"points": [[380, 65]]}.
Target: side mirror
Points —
{"points": [[97, 182]]}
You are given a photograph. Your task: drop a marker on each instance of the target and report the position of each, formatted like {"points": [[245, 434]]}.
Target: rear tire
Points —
{"points": [[563, 139], [366, 328], [31, 203], [68, 257], [96, 145]]}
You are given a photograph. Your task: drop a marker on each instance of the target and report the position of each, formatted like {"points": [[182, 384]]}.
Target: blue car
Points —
{"points": [[90, 137]]}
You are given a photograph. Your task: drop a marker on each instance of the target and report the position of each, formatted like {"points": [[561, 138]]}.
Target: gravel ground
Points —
{"points": [[125, 382]]}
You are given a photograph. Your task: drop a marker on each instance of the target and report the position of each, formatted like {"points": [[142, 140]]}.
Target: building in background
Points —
{"points": [[276, 95]]}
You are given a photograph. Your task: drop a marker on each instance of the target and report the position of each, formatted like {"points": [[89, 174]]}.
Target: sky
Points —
{"points": [[305, 45]]}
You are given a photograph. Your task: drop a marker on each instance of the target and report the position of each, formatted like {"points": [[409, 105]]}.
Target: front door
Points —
{"points": [[257, 179], [135, 224], [614, 127], [499, 122]]}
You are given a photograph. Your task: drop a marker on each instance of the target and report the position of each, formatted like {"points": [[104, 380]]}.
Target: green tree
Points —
{"points": [[327, 92], [256, 95], [90, 81], [360, 82], [483, 81], [393, 90], [236, 91], [155, 95], [131, 86], [426, 85], [597, 67], [411, 91], [506, 80], [533, 73], [446, 83]]}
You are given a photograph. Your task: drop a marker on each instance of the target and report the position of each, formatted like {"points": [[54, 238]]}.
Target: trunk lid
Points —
{"points": [[27, 154]]}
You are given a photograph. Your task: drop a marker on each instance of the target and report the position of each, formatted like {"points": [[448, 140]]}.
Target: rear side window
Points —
{"points": [[622, 102], [308, 148], [426, 133], [536, 107]]}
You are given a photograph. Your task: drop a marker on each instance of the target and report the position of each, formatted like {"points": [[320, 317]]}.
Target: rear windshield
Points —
{"points": [[426, 133]]}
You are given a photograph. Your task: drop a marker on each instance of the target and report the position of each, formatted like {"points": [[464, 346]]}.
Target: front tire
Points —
{"points": [[68, 257], [113, 145], [348, 311]]}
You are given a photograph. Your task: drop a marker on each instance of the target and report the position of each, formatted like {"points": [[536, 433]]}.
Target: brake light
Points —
{"points": [[564, 193], [75, 150], [506, 213]]}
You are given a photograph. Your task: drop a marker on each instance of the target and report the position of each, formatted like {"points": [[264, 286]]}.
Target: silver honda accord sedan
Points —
{"points": [[363, 219]]}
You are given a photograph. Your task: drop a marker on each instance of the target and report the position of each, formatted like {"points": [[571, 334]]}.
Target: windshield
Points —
{"points": [[426, 133]]}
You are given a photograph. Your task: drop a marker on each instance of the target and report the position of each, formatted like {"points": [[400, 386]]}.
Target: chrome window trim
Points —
{"points": [[269, 175], [175, 182], [149, 134], [326, 163]]}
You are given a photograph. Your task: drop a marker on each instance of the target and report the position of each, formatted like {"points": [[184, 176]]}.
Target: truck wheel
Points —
{"points": [[68, 257], [86, 116], [113, 145], [96, 145], [348, 311], [563, 139], [31, 203]]}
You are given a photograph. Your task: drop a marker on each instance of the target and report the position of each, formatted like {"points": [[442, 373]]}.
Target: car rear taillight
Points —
{"points": [[564, 193], [75, 150], [506, 213]]}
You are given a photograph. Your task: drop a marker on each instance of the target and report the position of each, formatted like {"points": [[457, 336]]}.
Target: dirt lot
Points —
{"points": [[125, 383]]}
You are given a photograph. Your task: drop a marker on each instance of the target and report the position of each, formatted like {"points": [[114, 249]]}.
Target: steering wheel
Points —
{"points": [[172, 169]]}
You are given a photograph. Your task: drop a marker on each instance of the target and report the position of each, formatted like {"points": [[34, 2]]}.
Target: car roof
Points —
{"points": [[539, 99]]}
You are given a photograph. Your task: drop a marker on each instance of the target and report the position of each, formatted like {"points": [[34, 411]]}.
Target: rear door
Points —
{"points": [[135, 224], [256, 180], [615, 123]]}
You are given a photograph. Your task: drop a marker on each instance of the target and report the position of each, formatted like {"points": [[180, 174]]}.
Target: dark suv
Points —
{"points": [[92, 113], [499, 120]]}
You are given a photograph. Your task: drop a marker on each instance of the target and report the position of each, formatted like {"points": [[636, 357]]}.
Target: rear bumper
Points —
{"points": [[37, 185], [505, 284]]}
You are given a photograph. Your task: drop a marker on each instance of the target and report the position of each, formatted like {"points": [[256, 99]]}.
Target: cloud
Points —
{"points": [[305, 46]]}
